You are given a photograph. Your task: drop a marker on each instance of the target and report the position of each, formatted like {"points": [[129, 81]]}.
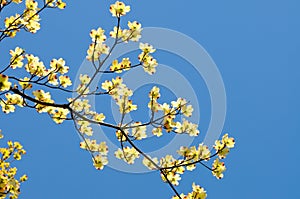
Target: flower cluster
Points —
{"points": [[133, 33], [187, 127], [120, 93], [120, 135], [119, 67], [145, 57], [139, 131], [218, 168], [29, 19], [9, 184], [4, 83], [100, 160], [30, 91], [136, 132], [16, 58], [223, 146], [85, 127], [58, 114], [197, 193], [83, 87], [154, 95], [183, 106], [11, 100], [97, 47], [128, 154], [53, 76], [58, 66], [180, 106], [119, 9], [173, 168], [174, 171], [193, 155], [36, 68]]}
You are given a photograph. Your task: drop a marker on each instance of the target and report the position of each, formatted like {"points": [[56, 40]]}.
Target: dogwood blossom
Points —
{"points": [[24, 83], [139, 132], [16, 58], [119, 9], [218, 168], [100, 161], [4, 83], [128, 154], [58, 65]]}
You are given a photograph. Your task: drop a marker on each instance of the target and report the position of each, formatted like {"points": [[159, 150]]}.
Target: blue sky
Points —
{"points": [[254, 44]]}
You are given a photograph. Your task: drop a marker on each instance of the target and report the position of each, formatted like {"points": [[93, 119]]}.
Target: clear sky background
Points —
{"points": [[255, 45]]}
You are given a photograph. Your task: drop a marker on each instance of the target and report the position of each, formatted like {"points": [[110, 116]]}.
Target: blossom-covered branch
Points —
{"points": [[41, 83]]}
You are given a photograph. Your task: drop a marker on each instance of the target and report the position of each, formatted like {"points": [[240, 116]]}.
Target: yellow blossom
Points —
{"points": [[34, 66], [4, 83], [84, 79], [97, 35], [7, 108], [119, 9], [87, 130], [134, 32], [116, 67], [218, 168], [14, 99], [59, 115], [100, 161], [139, 132], [95, 51], [107, 85], [52, 79], [187, 127], [65, 81], [82, 89], [173, 177], [58, 65], [127, 154], [99, 117], [116, 31], [154, 93], [16, 58], [157, 131], [12, 24], [24, 83], [60, 4], [146, 48], [24, 178], [42, 95], [125, 105], [31, 5], [229, 142]]}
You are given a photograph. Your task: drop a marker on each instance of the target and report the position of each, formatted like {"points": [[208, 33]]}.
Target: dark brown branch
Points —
{"points": [[16, 91]]}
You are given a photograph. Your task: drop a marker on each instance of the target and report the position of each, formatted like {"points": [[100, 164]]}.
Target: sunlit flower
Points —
{"points": [[98, 35], [60, 4], [127, 154], [58, 65], [119, 9], [65, 81], [16, 58], [4, 83], [24, 83], [218, 168]]}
